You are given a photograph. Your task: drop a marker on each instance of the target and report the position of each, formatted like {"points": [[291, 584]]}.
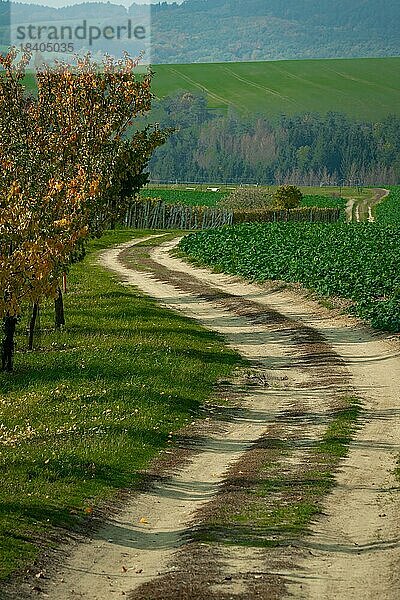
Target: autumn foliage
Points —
{"points": [[67, 165]]}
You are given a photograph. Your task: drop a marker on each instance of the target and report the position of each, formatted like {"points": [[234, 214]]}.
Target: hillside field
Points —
{"points": [[364, 88], [367, 88]]}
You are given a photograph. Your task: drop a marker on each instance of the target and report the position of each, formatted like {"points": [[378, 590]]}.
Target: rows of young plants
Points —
{"points": [[359, 262]]}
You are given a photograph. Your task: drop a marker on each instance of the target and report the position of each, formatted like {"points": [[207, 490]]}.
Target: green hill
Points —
{"points": [[366, 88], [200, 31], [363, 88], [208, 31]]}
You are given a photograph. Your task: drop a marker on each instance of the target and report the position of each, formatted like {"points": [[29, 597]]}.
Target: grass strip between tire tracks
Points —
{"points": [[269, 500]]}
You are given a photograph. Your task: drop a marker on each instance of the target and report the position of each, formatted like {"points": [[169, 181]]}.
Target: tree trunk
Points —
{"points": [[32, 323], [7, 346], [59, 310]]}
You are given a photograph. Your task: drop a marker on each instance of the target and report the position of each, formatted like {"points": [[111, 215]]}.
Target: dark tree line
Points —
{"points": [[306, 149]]}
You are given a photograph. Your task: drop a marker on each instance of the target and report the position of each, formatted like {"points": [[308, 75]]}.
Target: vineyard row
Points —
{"points": [[157, 214]]}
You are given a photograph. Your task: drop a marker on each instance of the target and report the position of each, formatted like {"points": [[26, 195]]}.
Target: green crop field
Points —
{"points": [[366, 88], [324, 202], [357, 261], [388, 211]]}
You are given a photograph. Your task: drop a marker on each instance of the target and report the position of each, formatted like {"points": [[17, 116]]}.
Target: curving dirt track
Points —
{"points": [[308, 357], [363, 210]]}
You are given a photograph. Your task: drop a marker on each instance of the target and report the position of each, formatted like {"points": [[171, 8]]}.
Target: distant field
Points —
{"points": [[199, 196], [182, 196], [365, 88]]}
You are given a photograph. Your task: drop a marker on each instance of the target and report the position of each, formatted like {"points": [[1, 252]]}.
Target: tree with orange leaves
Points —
{"points": [[63, 159]]}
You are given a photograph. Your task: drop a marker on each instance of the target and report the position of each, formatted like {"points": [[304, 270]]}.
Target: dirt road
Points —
{"points": [[302, 359], [363, 210]]}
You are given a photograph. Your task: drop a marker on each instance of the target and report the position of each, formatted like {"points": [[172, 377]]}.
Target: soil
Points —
{"points": [[302, 359]]}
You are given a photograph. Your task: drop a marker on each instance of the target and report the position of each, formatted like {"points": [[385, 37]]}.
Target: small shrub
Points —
{"points": [[287, 196]]}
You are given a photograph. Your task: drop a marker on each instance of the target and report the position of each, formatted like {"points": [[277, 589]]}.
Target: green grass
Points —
{"points": [[278, 506], [82, 415], [365, 88], [340, 431], [324, 201], [317, 480]]}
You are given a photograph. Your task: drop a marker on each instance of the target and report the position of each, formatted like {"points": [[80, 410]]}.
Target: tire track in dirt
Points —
{"points": [[136, 550], [362, 210], [367, 206], [354, 549]]}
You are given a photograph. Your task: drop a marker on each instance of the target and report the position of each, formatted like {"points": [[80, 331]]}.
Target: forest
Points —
{"points": [[240, 30], [307, 149], [244, 30]]}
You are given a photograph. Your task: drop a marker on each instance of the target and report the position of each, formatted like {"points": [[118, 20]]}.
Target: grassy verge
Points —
{"points": [[85, 412], [271, 499]]}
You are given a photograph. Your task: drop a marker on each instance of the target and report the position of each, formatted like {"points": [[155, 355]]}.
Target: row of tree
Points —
{"points": [[68, 170], [306, 149]]}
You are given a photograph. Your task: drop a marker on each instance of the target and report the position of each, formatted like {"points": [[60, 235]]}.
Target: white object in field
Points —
{"points": [[371, 218]]}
